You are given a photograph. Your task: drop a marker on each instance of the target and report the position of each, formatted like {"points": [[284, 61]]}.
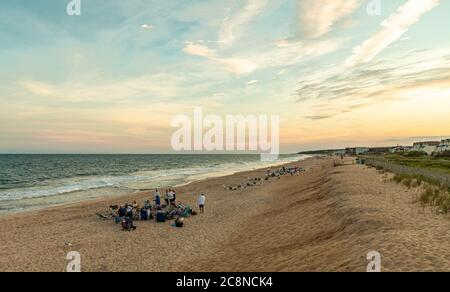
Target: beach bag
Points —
{"points": [[160, 217], [117, 219], [144, 215], [179, 222], [126, 223], [186, 212]]}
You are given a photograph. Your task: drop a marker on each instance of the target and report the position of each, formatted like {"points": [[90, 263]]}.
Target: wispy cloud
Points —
{"points": [[333, 92], [288, 52], [317, 17], [283, 53], [234, 65], [155, 87], [393, 28], [233, 25]]}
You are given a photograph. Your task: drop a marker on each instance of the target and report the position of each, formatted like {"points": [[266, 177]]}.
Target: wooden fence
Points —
{"points": [[442, 178]]}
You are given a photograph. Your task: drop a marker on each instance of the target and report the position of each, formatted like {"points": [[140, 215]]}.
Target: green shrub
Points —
{"points": [[415, 154], [426, 196], [407, 182], [444, 154]]}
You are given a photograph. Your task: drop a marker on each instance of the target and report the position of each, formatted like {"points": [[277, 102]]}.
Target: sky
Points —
{"points": [[338, 73]]}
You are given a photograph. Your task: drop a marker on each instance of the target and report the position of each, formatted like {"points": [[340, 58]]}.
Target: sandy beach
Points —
{"points": [[326, 219]]}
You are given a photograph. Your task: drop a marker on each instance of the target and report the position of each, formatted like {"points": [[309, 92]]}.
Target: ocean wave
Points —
{"points": [[153, 178]]}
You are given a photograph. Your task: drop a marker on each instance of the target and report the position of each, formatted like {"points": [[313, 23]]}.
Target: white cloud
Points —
{"points": [[252, 82], [275, 56], [156, 86], [146, 26], [283, 53], [393, 28], [233, 26], [38, 88], [234, 65], [199, 50], [331, 91], [292, 52], [317, 17]]}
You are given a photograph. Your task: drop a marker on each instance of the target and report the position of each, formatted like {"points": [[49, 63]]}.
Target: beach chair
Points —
{"points": [[144, 215], [160, 217], [186, 212]]}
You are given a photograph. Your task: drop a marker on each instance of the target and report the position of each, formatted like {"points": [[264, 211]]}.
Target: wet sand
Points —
{"points": [[326, 219]]}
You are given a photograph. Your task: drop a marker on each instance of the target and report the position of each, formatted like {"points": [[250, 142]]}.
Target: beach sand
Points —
{"points": [[326, 219]]}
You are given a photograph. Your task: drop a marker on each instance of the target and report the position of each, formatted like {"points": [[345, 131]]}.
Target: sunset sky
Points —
{"points": [[112, 79]]}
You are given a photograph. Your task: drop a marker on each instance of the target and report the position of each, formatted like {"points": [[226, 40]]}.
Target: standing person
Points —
{"points": [[166, 198], [130, 212], [201, 203], [171, 196], [174, 197], [157, 198], [130, 217]]}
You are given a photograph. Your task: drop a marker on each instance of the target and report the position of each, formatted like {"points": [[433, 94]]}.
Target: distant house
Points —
{"points": [[362, 150], [339, 152], [380, 150], [400, 149], [350, 151], [356, 151], [429, 147], [443, 146]]}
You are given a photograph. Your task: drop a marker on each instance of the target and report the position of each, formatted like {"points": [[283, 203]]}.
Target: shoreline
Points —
{"points": [[65, 198], [39, 240]]}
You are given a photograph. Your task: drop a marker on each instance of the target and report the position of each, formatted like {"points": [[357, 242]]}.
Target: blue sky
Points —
{"points": [[110, 80]]}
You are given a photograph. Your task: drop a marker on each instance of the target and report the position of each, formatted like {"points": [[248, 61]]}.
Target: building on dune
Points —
{"points": [[443, 146], [400, 149], [429, 147], [379, 150], [356, 151]]}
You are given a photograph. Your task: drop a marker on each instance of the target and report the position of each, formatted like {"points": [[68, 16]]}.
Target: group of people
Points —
{"points": [[277, 174], [171, 196], [126, 215], [158, 210], [283, 171]]}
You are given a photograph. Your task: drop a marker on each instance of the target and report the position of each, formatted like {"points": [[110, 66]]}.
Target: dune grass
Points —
{"points": [[441, 164], [432, 195]]}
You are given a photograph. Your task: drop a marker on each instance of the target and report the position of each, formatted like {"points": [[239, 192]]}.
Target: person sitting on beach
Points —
{"points": [[122, 211], [201, 203], [129, 211]]}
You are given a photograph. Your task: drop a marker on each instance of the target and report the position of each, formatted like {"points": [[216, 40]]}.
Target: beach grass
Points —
{"points": [[433, 193], [441, 164]]}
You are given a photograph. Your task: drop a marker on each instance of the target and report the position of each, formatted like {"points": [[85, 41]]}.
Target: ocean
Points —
{"points": [[29, 182]]}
